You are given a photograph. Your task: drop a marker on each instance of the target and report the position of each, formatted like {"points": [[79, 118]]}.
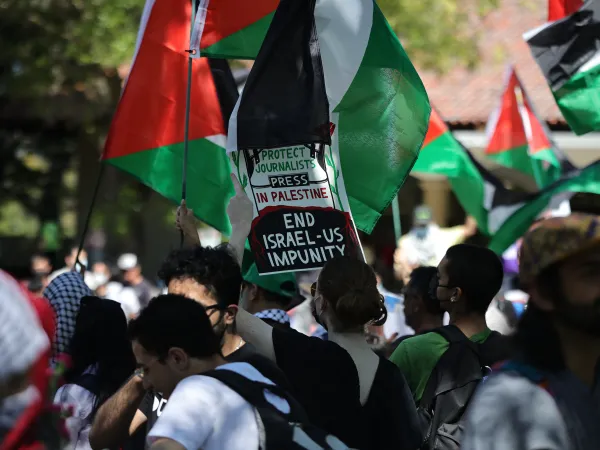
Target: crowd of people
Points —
{"points": [[214, 363]]}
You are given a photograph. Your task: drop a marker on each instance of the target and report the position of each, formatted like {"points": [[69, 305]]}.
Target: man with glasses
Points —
{"points": [[211, 277], [467, 279]]}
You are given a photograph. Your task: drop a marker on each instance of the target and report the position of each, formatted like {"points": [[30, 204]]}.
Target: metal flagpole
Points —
{"points": [[186, 128], [396, 215]]}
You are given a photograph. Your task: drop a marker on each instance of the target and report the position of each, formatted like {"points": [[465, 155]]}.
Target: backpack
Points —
{"points": [[277, 430], [452, 383]]}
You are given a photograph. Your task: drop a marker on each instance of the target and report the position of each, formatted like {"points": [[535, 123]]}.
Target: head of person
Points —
{"points": [[71, 258], [559, 267], [420, 305], [40, 264], [468, 278], [210, 276], [172, 339], [130, 268], [262, 292], [101, 342], [346, 298], [422, 218]]}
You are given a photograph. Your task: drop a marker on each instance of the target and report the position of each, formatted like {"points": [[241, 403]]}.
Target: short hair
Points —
{"points": [[478, 272], [214, 268], [421, 280], [174, 321]]}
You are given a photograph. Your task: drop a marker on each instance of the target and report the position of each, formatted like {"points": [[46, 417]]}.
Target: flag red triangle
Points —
{"points": [[226, 17], [151, 111], [437, 127], [508, 132], [557, 9]]}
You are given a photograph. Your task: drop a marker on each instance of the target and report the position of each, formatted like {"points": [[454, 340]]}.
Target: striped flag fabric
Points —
{"points": [[568, 53]]}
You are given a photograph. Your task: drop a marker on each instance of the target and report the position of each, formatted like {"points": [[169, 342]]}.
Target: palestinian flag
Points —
{"points": [[377, 103], [146, 137], [515, 220], [477, 189], [557, 9], [284, 102], [519, 140], [568, 53]]}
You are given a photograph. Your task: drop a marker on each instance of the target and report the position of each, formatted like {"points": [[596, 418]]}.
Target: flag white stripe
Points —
{"points": [[143, 22], [198, 28]]}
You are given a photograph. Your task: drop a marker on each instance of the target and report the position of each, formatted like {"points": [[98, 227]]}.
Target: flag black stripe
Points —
{"points": [[284, 102], [563, 47]]}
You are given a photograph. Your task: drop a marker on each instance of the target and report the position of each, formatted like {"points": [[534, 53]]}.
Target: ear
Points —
{"points": [[539, 300], [229, 315], [178, 358], [458, 293], [253, 292]]}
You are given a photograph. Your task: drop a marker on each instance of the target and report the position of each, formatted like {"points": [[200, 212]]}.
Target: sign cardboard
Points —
{"points": [[301, 213]]}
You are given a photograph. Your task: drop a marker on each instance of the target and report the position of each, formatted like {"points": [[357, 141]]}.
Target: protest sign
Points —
{"points": [[301, 213]]}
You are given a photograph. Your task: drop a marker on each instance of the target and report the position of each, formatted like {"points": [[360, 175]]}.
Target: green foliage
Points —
{"points": [[438, 34]]}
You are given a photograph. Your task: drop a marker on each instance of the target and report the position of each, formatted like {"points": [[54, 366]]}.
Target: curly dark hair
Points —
{"points": [[214, 268]]}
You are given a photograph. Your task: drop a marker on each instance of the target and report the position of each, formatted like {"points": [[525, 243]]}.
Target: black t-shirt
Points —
{"points": [[325, 379], [153, 404]]}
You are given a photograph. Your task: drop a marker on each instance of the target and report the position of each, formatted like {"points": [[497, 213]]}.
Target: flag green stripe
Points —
{"points": [[383, 120], [579, 101], [445, 156], [515, 158], [518, 223], [208, 181], [243, 44]]}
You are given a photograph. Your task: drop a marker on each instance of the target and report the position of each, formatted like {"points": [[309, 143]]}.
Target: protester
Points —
{"points": [[72, 265], [421, 307], [102, 361], [466, 282], [203, 411], [64, 294], [426, 243], [548, 396], [132, 275], [361, 397], [269, 297], [211, 277], [26, 330]]}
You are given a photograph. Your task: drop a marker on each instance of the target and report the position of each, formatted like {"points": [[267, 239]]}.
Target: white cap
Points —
{"points": [[127, 261]]}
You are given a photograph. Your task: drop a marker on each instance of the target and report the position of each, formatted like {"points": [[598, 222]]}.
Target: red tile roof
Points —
{"points": [[469, 97]]}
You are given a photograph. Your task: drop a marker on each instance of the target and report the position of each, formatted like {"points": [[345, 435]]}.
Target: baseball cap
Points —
{"points": [[127, 261], [280, 283], [422, 215], [554, 240]]}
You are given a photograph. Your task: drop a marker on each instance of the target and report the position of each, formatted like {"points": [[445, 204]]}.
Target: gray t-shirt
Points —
{"points": [[511, 413]]}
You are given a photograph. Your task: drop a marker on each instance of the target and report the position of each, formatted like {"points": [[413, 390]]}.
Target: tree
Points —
{"points": [[438, 34], [62, 64]]}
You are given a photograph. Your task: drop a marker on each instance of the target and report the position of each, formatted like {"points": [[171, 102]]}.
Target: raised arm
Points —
{"points": [[186, 223], [119, 417], [250, 328]]}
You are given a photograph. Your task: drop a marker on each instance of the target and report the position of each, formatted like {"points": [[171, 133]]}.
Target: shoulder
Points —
{"points": [[415, 344], [507, 405]]}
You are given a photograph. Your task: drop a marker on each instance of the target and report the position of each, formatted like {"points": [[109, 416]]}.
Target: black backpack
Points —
{"points": [[278, 431], [452, 383]]}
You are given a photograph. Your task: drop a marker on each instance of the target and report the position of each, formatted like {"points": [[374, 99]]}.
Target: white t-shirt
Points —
{"points": [[203, 413]]}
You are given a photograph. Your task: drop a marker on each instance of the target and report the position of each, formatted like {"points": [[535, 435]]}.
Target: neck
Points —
{"points": [[581, 352], [429, 323], [469, 324], [199, 366], [231, 343], [349, 338]]}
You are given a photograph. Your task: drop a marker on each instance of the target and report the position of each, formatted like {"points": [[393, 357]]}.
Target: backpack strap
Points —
{"points": [[453, 335], [254, 393]]}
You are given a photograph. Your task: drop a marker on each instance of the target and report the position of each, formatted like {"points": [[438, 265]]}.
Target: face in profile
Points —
{"points": [[158, 375], [580, 280]]}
